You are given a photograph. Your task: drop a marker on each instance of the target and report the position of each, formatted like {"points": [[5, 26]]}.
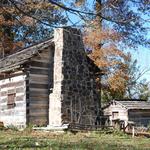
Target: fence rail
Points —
{"points": [[87, 127]]}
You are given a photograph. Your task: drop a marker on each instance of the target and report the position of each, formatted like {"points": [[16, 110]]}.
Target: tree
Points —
{"points": [[109, 58], [18, 26], [136, 88], [35, 18], [117, 23], [111, 25], [130, 18]]}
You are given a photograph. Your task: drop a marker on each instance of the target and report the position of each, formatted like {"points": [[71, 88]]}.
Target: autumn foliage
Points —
{"points": [[106, 54], [24, 23]]}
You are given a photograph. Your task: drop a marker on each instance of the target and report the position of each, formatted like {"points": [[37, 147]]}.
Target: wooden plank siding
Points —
{"points": [[113, 108], [134, 110], [39, 81], [140, 117]]}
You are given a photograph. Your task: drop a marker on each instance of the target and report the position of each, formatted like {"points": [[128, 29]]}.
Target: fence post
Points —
{"points": [[133, 131]]}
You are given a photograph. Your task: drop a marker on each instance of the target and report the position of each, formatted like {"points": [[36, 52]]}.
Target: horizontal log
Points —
{"points": [[40, 68], [12, 84], [38, 106], [3, 93], [39, 71], [38, 81], [39, 64], [42, 105], [34, 94], [38, 92], [20, 90], [3, 100], [33, 103], [39, 86], [38, 99], [20, 98], [38, 76], [42, 60], [11, 91], [38, 114]]}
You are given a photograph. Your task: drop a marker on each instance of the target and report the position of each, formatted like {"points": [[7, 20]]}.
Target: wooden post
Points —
{"points": [[133, 131]]}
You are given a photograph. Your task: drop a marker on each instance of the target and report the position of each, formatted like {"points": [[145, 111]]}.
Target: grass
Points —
{"points": [[67, 141]]}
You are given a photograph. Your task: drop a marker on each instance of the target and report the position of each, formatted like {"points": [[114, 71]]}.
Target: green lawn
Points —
{"points": [[68, 141]]}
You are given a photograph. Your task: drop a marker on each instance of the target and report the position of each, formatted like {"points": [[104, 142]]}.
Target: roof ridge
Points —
{"points": [[25, 48]]}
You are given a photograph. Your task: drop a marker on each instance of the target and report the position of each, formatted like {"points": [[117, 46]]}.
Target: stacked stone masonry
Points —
{"points": [[74, 98]]}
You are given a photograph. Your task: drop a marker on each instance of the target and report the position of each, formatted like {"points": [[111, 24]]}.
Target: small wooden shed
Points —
{"points": [[137, 111]]}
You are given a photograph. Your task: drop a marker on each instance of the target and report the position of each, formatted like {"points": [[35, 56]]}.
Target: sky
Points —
{"points": [[143, 59], [142, 55]]}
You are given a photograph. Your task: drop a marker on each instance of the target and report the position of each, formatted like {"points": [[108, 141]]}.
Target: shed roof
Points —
{"points": [[13, 61], [133, 104]]}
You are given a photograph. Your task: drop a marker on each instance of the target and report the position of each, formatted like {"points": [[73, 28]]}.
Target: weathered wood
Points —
{"points": [[38, 86], [133, 110], [12, 84], [39, 98], [3, 93], [40, 95], [38, 76], [39, 64], [42, 59], [38, 104], [13, 101], [20, 90], [20, 98], [22, 56], [39, 68], [39, 113], [39, 71]]}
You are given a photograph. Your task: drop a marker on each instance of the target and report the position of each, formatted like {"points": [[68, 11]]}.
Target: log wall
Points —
{"points": [[39, 83], [14, 115]]}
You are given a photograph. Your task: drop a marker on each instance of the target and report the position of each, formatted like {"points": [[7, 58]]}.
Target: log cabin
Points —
{"points": [[50, 84], [131, 110]]}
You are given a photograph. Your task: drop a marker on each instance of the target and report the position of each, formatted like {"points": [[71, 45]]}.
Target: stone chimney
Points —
{"points": [[74, 98]]}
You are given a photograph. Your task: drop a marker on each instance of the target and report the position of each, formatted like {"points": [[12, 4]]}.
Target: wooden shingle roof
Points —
{"points": [[134, 104], [15, 60]]}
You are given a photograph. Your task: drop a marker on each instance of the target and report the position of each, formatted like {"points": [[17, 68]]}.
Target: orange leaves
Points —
{"points": [[117, 82], [28, 21], [107, 55], [79, 2], [18, 45], [4, 22], [7, 45], [31, 5]]}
